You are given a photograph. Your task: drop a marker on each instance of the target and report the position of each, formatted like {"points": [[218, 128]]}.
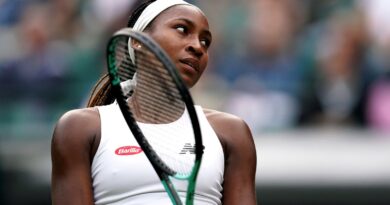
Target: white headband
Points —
{"points": [[153, 10], [150, 12]]}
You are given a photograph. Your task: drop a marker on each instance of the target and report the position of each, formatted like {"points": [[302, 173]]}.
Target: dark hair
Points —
{"points": [[137, 12], [101, 93]]}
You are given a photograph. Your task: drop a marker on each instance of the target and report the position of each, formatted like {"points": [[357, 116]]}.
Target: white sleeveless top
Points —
{"points": [[122, 174]]}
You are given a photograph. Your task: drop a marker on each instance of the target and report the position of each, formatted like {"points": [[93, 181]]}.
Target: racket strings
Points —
{"points": [[155, 112], [158, 101], [159, 85], [162, 93]]}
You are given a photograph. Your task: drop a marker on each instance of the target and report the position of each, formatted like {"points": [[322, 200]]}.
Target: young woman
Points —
{"points": [[86, 169]]}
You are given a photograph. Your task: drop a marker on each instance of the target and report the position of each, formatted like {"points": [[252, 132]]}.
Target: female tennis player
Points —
{"points": [[92, 163]]}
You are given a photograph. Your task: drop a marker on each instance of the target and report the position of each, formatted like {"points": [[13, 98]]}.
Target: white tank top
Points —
{"points": [[122, 174]]}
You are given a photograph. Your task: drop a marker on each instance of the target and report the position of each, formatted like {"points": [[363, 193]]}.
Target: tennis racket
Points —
{"points": [[158, 109]]}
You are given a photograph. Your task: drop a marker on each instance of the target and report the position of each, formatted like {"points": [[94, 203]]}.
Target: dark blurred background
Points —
{"points": [[310, 77]]}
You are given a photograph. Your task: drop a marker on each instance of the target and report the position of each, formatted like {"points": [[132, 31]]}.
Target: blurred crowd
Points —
{"points": [[278, 64], [289, 63], [51, 54]]}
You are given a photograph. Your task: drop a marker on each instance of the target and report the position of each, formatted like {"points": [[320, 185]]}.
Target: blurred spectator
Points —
{"points": [[109, 13], [265, 78], [26, 80], [65, 19], [337, 94], [319, 10], [10, 11], [378, 109], [377, 14]]}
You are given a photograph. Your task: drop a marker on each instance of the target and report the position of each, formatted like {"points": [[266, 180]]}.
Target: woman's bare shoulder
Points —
{"points": [[228, 127], [77, 123], [79, 117], [74, 143], [224, 119], [80, 114]]}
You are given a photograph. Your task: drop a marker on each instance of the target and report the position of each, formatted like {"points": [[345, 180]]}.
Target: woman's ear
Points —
{"points": [[135, 44]]}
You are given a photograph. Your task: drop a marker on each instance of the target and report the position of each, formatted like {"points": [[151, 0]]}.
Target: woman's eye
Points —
{"points": [[205, 43], [182, 29]]}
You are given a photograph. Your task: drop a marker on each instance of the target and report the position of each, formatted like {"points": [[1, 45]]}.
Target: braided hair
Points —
{"points": [[102, 91]]}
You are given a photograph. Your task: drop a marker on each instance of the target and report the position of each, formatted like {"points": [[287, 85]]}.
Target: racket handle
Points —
{"points": [[171, 191]]}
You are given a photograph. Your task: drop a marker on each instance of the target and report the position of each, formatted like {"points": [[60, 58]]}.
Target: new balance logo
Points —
{"points": [[188, 149]]}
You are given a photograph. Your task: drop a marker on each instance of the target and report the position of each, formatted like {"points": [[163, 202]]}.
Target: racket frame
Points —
{"points": [[161, 169]]}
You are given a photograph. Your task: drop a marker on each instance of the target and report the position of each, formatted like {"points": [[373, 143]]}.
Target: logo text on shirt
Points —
{"points": [[128, 150]]}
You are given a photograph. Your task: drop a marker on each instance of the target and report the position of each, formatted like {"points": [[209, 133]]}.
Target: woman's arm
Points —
{"points": [[72, 149], [240, 159]]}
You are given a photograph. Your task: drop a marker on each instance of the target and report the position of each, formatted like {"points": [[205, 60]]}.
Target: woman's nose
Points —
{"points": [[195, 47]]}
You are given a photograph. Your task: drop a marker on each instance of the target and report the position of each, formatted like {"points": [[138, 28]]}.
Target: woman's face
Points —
{"points": [[183, 32]]}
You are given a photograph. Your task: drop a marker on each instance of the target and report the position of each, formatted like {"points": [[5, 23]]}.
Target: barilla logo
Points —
{"points": [[128, 150]]}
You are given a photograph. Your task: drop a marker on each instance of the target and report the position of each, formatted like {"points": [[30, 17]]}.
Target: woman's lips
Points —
{"points": [[190, 63]]}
